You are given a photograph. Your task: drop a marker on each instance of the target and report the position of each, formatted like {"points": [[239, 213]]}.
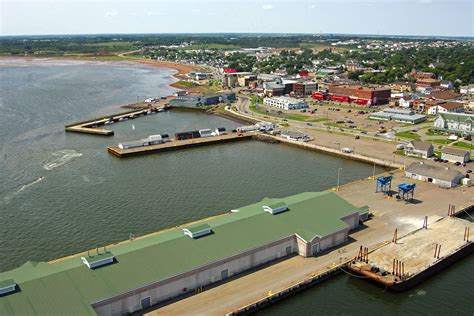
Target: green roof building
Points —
{"points": [[164, 265]]}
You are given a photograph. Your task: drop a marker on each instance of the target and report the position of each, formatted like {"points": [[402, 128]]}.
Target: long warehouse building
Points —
{"points": [[137, 274]]}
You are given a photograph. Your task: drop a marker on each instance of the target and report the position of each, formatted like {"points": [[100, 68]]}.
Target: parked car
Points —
{"points": [[309, 124]]}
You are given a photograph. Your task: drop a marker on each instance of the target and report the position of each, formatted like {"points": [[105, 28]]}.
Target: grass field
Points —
{"points": [[440, 141], [210, 46], [464, 145], [186, 84], [408, 134]]}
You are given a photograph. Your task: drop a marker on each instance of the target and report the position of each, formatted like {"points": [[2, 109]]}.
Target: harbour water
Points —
{"points": [[62, 193]]}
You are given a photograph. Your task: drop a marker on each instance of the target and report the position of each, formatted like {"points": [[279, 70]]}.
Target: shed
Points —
{"points": [[441, 176], [455, 155]]}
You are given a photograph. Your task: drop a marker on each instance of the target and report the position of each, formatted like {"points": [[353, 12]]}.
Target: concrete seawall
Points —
{"points": [[332, 151]]}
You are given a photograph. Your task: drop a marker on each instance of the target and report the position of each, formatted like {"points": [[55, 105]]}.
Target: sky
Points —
{"points": [[379, 17]]}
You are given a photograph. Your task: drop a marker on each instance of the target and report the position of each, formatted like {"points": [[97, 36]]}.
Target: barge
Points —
{"points": [[410, 260]]}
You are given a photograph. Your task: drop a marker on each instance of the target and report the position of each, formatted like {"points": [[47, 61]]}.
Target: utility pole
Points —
{"points": [[338, 178]]}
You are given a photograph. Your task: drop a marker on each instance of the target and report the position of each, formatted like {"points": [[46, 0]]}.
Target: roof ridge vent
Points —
{"points": [[7, 286], [198, 230], [276, 208]]}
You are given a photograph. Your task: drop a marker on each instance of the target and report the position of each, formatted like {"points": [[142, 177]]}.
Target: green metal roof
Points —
{"points": [[68, 287]]}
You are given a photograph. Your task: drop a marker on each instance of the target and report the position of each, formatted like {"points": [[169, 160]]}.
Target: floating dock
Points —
{"points": [[409, 260], [92, 126], [178, 145]]}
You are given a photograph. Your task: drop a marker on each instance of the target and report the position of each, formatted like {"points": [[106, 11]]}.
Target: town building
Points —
{"points": [[305, 88], [441, 176], [455, 123], [398, 115], [146, 271], [360, 95], [417, 148], [469, 89], [285, 103], [405, 102], [231, 79], [444, 95], [455, 155], [203, 100], [446, 107], [271, 89], [428, 82]]}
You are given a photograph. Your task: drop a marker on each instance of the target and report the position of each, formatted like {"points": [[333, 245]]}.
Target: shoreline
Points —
{"points": [[181, 69]]}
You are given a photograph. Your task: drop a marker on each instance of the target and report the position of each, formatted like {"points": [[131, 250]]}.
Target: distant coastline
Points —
{"points": [[181, 69]]}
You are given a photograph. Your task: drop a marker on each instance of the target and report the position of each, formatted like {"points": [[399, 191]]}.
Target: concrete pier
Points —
{"points": [[92, 126], [178, 145]]}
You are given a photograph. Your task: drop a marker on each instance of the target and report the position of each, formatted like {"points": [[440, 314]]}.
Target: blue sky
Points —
{"points": [[399, 17]]}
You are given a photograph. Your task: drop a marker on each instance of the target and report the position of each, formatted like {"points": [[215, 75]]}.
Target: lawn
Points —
{"points": [[434, 133], [408, 134], [210, 46], [187, 84], [440, 141], [464, 145]]}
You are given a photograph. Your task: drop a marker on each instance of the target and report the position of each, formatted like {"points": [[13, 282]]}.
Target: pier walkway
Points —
{"points": [[92, 126], [178, 145]]}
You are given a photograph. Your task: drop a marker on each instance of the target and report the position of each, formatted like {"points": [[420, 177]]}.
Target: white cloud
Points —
{"points": [[425, 1], [267, 7], [110, 14], [312, 6]]}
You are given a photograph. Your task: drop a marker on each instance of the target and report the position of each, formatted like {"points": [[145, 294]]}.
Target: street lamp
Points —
{"points": [[338, 178], [339, 144]]}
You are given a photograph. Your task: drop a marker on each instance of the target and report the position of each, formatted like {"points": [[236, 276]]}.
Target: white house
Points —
{"points": [[417, 148], [457, 123], [448, 107], [285, 103], [405, 102]]}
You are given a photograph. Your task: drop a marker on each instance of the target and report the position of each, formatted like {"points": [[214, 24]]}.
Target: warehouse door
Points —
{"points": [[224, 274], [146, 303], [288, 250], [315, 249]]}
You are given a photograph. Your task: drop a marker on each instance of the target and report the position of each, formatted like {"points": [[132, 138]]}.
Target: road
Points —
{"points": [[368, 145]]}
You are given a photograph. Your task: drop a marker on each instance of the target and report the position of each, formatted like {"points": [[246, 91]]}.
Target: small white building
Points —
{"points": [[285, 103], [265, 126], [443, 177], [455, 155], [290, 135], [205, 132]]}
